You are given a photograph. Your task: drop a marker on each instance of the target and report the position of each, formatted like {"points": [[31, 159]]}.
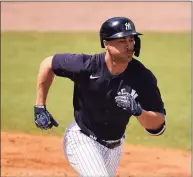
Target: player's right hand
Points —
{"points": [[128, 103], [43, 119]]}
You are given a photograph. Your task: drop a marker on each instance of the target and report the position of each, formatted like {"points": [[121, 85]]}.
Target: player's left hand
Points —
{"points": [[43, 119], [128, 103]]}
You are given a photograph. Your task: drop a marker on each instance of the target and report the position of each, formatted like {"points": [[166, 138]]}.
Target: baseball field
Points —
{"points": [[28, 151]]}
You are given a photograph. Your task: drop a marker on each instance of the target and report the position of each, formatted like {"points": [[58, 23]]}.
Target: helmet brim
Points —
{"points": [[121, 35]]}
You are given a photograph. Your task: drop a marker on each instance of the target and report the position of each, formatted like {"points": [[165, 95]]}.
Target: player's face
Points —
{"points": [[121, 49]]}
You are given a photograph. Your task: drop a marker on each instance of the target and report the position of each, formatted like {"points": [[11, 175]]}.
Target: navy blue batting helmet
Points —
{"points": [[119, 27]]}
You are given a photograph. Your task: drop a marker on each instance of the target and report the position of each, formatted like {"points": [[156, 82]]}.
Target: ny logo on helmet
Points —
{"points": [[127, 26]]}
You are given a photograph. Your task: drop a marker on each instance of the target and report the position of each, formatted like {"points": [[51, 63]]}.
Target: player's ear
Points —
{"points": [[105, 44]]}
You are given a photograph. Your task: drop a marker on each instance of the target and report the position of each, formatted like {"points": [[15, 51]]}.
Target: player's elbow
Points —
{"points": [[47, 62], [46, 68], [157, 132]]}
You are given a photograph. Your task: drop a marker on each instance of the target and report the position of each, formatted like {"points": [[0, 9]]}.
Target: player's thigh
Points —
{"points": [[84, 155], [113, 160]]}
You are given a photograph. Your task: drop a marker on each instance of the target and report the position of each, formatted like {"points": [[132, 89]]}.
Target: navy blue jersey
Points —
{"points": [[95, 88]]}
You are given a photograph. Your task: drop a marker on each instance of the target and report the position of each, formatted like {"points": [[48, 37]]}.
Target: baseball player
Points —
{"points": [[109, 88]]}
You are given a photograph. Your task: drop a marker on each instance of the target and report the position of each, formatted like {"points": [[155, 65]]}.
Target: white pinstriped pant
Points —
{"points": [[88, 157]]}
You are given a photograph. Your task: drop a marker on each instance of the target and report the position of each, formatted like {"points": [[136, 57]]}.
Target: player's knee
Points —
{"points": [[102, 175], [98, 174], [94, 175]]}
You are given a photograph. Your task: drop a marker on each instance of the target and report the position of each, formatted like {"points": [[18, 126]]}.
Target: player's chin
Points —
{"points": [[128, 55]]}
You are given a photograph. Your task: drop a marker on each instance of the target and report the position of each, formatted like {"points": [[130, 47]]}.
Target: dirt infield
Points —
{"points": [[27, 155]]}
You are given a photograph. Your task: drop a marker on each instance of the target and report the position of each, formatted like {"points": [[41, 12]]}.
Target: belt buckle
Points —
{"points": [[113, 145]]}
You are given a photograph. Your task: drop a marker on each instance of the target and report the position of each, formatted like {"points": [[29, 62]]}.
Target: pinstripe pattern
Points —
{"points": [[88, 157]]}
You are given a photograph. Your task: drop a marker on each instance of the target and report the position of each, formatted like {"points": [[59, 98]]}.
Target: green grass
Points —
{"points": [[167, 55]]}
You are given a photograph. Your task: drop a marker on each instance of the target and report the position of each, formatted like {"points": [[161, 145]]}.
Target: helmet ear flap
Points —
{"points": [[102, 44], [137, 46], [101, 40]]}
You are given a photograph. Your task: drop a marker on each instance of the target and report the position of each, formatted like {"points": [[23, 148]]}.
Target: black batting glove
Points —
{"points": [[43, 119], [128, 103]]}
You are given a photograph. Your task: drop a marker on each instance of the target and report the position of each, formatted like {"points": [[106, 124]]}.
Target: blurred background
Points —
{"points": [[31, 31]]}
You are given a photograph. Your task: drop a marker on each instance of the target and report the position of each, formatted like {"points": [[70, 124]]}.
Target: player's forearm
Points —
{"points": [[151, 120], [44, 81]]}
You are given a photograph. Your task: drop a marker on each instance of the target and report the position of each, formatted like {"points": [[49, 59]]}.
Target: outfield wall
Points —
{"points": [[75, 16]]}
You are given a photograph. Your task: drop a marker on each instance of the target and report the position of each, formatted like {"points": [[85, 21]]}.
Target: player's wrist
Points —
{"points": [[138, 111], [40, 101], [40, 106]]}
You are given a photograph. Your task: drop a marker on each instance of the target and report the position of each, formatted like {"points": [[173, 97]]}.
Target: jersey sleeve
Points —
{"points": [[150, 97], [72, 66]]}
